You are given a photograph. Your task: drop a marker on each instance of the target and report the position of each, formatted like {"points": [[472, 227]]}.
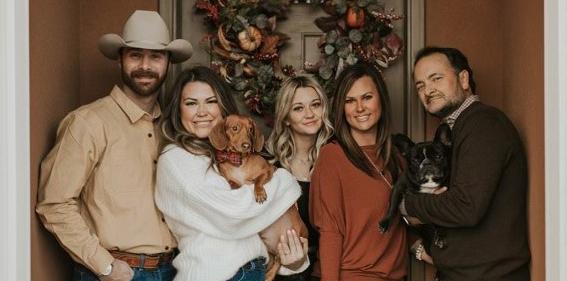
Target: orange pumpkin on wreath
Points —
{"points": [[250, 38]]}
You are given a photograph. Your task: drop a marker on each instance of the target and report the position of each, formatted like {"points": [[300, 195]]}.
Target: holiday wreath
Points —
{"points": [[245, 45]]}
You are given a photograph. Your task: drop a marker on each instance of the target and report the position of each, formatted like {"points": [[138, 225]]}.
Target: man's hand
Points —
{"points": [[291, 251], [423, 255], [413, 220], [426, 257], [440, 190], [121, 271]]}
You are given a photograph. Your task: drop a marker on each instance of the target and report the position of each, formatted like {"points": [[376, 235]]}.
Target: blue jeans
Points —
{"points": [[164, 272], [254, 270]]}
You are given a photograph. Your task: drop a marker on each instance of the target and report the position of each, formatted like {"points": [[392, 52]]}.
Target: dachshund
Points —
{"points": [[237, 140]]}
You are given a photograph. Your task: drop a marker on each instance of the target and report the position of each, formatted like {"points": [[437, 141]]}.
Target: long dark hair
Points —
{"points": [[172, 130], [383, 133]]}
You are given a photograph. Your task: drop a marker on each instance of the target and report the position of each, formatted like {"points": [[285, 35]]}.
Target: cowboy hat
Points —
{"points": [[145, 30]]}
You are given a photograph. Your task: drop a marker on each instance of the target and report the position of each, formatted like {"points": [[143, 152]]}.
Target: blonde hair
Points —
{"points": [[280, 144]]}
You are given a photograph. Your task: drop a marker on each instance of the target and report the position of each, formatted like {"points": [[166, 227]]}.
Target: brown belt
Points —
{"points": [[144, 261]]}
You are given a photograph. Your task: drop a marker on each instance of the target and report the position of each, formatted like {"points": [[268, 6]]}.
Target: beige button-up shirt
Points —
{"points": [[97, 184]]}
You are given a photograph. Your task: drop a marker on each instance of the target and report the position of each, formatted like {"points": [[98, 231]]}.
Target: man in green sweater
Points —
{"points": [[483, 212]]}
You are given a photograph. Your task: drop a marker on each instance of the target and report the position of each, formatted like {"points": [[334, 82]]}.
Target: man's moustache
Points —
{"points": [[144, 73]]}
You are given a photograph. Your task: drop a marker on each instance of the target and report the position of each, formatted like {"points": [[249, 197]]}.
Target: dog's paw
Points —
{"points": [[384, 225], [233, 184], [260, 195], [440, 243]]}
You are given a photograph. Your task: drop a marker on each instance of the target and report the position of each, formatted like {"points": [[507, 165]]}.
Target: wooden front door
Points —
{"points": [[302, 47]]}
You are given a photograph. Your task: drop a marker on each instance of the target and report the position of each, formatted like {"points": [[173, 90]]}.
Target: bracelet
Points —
{"points": [[419, 252]]}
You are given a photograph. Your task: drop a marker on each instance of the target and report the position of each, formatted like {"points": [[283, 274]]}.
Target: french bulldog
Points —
{"points": [[428, 169]]}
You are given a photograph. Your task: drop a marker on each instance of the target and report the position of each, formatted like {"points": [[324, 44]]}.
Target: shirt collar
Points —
{"points": [[450, 120], [133, 111]]}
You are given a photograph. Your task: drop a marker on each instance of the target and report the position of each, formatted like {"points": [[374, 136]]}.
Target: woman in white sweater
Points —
{"points": [[216, 226]]}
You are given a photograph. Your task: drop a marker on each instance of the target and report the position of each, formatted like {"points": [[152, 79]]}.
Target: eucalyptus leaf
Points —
{"points": [[351, 59], [240, 85], [243, 11], [343, 52], [243, 20], [331, 36], [261, 21], [341, 7], [362, 3], [342, 42], [332, 61], [266, 99], [325, 72], [355, 35], [329, 49]]}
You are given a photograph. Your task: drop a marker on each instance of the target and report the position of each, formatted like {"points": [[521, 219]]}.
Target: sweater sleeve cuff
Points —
{"points": [[286, 271], [100, 261]]}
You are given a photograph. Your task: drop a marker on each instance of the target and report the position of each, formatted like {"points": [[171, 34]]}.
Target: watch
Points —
{"points": [[107, 271]]}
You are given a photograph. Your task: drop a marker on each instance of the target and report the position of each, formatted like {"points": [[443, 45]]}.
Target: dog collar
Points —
{"points": [[233, 158]]}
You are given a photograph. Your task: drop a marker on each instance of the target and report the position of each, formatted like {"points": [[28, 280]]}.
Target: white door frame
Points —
{"points": [[14, 142], [555, 21]]}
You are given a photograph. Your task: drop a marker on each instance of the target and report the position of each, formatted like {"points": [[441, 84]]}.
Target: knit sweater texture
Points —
{"points": [[483, 213], [216, 227]]}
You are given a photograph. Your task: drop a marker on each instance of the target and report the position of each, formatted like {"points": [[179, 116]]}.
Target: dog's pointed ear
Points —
{"points": [[258, 136], [403, 143], [218, 137], [443, 135]]}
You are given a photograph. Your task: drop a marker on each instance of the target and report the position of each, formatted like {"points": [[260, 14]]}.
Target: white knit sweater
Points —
{"points": [[216, 227]]}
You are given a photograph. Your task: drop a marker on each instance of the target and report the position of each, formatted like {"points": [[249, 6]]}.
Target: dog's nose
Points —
{"points": [[245, 145]]}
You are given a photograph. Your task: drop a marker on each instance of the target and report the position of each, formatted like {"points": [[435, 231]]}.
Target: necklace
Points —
{"points": [[301, 169], [304, 162], [379, 171]]}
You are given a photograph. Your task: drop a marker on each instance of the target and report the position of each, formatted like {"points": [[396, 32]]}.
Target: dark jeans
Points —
{"points": [[254, 270], [164, 272]]}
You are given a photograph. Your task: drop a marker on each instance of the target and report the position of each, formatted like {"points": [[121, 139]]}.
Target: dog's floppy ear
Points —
{"points": [[443, 135], [218, 137], [258, 136], [403, 143]]}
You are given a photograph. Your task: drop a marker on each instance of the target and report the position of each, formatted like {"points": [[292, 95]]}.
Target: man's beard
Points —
{"points": [[447, 109], [139, 89], [452, 105]]}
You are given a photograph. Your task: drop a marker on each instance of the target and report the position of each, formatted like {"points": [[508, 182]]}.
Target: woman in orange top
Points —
{"points": [[352, 182]]}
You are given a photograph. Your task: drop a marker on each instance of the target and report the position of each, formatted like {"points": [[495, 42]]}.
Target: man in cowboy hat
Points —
{"points": [[97, 183]]}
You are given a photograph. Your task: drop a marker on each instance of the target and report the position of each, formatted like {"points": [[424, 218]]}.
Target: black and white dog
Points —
{"points": [[428, 169]]}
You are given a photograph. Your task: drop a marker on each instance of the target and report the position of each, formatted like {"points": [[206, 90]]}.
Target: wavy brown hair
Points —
{"points": [[171, 127], [354, 153], [280, 144]]}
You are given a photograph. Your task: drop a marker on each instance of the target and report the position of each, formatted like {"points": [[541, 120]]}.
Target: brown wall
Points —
{"points": [[523, 101], [503, 40], [504, 43], [54, 86], [66, 71]]}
